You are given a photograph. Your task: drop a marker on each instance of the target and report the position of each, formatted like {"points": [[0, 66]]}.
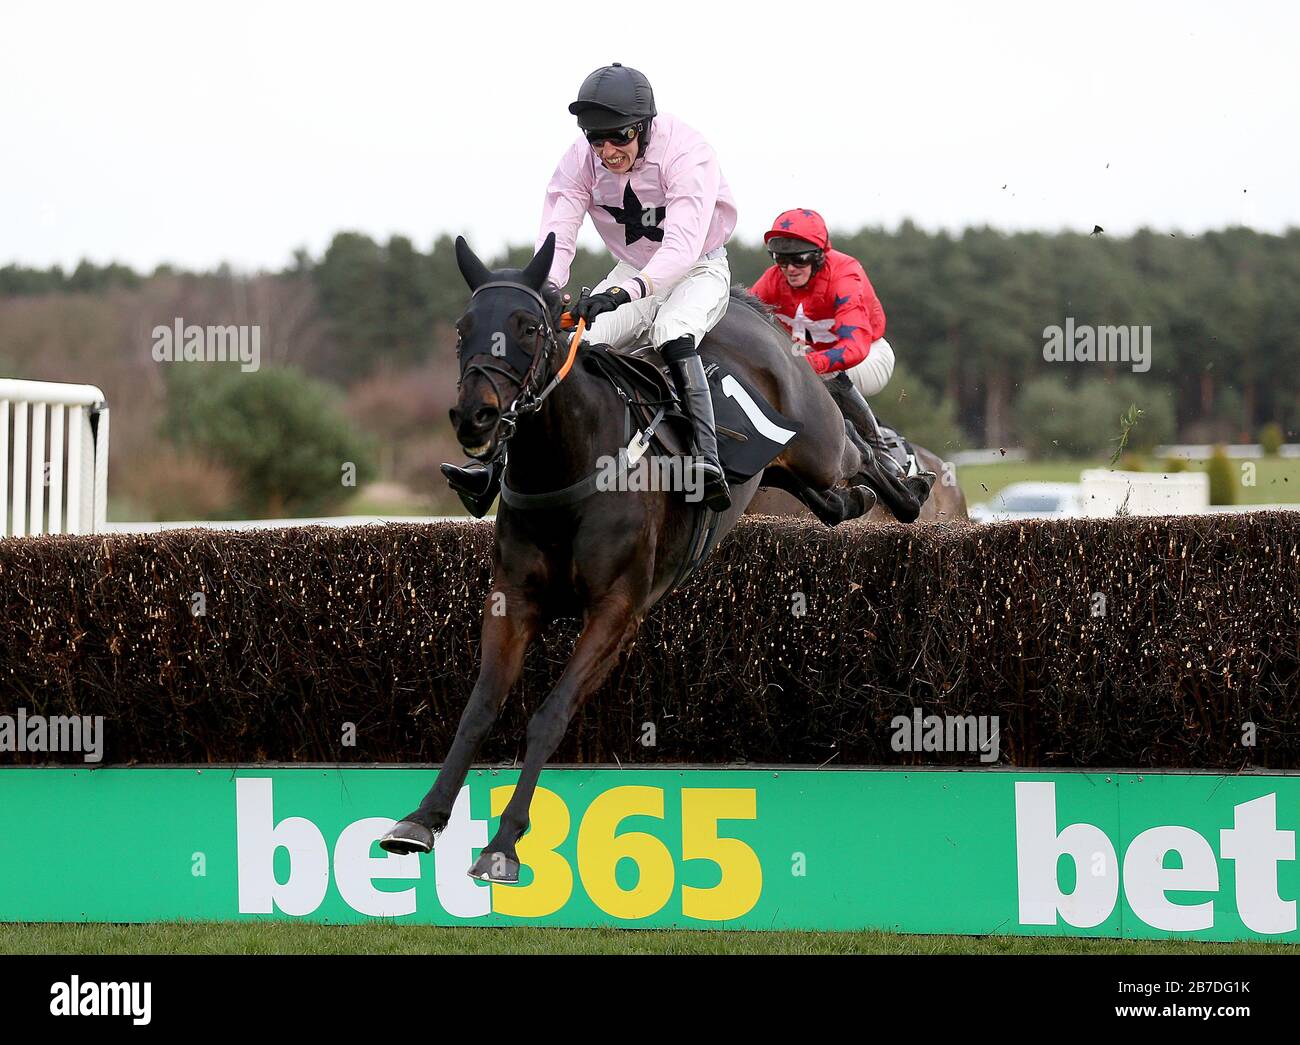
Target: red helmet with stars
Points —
{"points": [[795, 225]]}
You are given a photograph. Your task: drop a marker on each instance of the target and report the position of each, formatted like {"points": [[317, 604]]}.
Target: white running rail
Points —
{"points": [[76, 418]]}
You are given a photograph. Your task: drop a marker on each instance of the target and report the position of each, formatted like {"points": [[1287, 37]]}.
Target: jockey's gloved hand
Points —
{"points": [[589, 308]]}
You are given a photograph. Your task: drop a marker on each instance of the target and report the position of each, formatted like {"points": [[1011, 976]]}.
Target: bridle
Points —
{"points": [[528, 400]]}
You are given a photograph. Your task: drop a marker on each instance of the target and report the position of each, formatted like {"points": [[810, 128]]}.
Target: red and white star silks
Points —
{"points": [[837, 309]]}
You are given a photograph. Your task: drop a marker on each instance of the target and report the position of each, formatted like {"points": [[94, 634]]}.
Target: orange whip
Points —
{"points": [[573, 345]]}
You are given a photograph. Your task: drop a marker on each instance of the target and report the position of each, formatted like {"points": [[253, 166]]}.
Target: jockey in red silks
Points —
{"points": [[824, 299]]}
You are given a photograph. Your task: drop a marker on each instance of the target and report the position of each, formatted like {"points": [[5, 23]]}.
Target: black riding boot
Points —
{"points": [[693, 387], [903, 494], [476, 484]]}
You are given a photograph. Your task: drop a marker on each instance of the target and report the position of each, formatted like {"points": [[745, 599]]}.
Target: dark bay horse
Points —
{"points": [[606, 557]]}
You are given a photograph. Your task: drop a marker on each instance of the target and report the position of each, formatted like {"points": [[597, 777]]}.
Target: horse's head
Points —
{"points": [[504, 341]]}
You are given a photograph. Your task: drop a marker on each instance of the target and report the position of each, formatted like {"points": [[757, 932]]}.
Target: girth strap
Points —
{"points": [[704, 535], [579, 491]]}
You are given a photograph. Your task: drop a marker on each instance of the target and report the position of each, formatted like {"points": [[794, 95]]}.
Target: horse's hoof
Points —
{"points": [[407, 836], [495, 867], [868, 496]]}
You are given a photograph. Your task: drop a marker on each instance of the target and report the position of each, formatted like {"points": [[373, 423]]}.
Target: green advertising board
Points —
{"points": [[983, 851]]}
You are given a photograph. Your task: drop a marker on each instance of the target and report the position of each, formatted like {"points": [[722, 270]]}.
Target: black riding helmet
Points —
{"points": [[615, 96]]}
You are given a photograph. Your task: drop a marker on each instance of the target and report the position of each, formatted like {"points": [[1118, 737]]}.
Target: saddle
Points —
{"points": [[751, 433], [640, 375]]}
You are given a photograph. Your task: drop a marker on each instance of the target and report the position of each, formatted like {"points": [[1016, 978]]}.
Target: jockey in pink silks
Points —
{"points": [[654, 190]]}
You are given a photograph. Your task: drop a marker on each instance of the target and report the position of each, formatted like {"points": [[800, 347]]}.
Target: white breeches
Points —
{"points": [[871, 375], [694, 305]]}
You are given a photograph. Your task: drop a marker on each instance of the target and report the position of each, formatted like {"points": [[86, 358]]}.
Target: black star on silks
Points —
{"points": [[632, 217]]}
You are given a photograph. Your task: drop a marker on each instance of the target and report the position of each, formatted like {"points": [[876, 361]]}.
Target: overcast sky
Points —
{"points": [[197, 133]]}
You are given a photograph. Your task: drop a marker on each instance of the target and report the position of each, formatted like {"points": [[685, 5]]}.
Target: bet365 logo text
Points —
{"points": [[601, 848], [1152, 886]]}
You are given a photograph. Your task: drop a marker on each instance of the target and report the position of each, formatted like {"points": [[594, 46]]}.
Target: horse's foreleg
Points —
{"points": [[609, 625], [505, 639]]}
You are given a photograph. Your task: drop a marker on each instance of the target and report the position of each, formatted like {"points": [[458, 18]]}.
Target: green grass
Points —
{"points": [[1277, 479], [388, 938], [392, 501], [388, 508]]}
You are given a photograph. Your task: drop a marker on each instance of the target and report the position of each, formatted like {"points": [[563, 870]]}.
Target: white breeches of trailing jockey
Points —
{"points": [[693, 305], [871, 375]]}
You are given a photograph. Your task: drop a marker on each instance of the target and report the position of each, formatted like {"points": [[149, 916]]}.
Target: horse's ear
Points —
{"points": [[474, 271], [540, 267]]}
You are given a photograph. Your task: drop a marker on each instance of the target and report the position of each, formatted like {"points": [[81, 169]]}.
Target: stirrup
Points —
{"points": [[476, 484]]}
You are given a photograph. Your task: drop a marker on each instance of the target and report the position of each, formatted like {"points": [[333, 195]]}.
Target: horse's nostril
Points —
{"points": [[483, 415]]}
